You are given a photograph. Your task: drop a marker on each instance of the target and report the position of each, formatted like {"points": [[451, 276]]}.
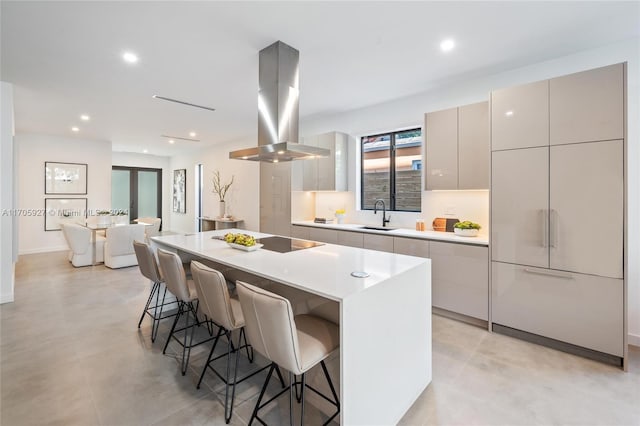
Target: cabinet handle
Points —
{"points": [[545, 227], [553, 224], [565, 275]]}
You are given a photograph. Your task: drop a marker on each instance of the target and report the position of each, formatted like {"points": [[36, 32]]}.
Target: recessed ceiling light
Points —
{"points": [[75, 129], [193, 134], [172, 141], [145, 151], [275, 161], [447, 45], [280, 152], [508, 113], [85, 117], [130, 57]]}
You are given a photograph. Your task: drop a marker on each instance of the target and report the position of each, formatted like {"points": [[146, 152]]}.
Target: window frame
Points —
{"points": [[392, 167]]}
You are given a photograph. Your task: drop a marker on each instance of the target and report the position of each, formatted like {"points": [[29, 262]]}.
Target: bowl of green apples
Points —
{"points": [[242, 242], [466, 229]]}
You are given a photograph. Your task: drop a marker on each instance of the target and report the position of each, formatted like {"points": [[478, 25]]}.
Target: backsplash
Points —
{"points": [[464, 205]]}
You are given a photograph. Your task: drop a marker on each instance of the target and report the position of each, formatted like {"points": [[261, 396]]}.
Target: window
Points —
{"points": [[391, 170]]}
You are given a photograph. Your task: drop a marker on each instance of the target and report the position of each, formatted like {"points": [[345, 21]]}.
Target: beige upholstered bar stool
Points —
{"points": [[294, 343], [185, 292], [149, 269], [225, 313]]}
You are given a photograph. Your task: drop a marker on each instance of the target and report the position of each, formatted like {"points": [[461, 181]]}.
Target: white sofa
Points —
{"points": [[118, 248], [80, 244]]}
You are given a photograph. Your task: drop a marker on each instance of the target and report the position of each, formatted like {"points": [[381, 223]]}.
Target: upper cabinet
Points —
{"points": [[520, 116], [587, 106], [329, 173], [474, 152], [583, 107], [441, 140], [457, 148]]}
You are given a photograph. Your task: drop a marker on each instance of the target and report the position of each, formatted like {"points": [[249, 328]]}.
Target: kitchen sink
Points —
{"points": [[377, 228]]}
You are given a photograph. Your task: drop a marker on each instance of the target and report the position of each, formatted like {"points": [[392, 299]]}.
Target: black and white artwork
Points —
{"points": [[65, 178], [180, 191]]}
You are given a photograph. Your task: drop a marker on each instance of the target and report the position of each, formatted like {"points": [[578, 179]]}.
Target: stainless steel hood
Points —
{"points": [[278, 110]]}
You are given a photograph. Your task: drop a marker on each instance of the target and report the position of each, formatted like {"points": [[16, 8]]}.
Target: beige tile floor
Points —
{"points": [[70, 354]]}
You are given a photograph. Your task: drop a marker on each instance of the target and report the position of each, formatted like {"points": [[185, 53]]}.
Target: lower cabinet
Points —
{"points": [[411, 246], [300, 232], [460, 278], [378, 242], [584, 310], [329, 236], [351, 239]]}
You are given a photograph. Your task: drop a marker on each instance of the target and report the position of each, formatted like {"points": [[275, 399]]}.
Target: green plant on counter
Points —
{"points": [[467, 224]]}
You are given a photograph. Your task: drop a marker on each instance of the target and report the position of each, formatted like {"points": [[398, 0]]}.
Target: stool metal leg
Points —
{"points": [[154, 289], [173, 327]]}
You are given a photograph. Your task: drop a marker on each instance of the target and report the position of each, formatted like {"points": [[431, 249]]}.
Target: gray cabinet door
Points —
{"points": [[411, 246], [300, 232], [323, 235], [351, 239], [326, 166], [460, 278], [378, 242], [310, 168], [584, 310], [519, 206], [586, 208], [441, 128], [520, 116], [474, 152], [587, 106]]}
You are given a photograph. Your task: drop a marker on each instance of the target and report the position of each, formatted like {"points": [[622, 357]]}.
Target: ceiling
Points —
{"points": [[65, 58]]}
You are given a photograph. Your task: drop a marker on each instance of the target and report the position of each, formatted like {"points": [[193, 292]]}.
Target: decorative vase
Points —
{"points": [[340, 218], [223, 209]]}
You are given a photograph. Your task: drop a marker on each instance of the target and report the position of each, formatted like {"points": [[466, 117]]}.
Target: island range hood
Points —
{"points": [[278, 110]]}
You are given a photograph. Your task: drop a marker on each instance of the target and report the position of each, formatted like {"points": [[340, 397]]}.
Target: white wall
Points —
{"points": [[132, 159], [8, 252], [408, 112], [34, 150], [243, 198]]}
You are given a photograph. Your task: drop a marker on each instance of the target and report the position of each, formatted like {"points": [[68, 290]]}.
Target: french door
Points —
{"points": [[137, 190]]}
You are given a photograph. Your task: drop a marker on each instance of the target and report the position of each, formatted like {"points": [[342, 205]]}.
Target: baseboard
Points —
{"points": [[460, 317], [633, 339], [44, 250], [558, 345], [6, 298]]}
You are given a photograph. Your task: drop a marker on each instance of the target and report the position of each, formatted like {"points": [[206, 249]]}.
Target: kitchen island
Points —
{"points": [[385, 318]]}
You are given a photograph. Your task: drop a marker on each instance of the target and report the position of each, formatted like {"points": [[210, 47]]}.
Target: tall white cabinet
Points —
{"points": [[557, 210]]}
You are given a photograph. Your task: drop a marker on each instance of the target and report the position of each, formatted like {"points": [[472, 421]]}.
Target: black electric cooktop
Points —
{"points": [[285, 245]]}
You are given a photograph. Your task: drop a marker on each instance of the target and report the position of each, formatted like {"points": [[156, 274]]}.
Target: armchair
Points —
{"points": [[81, 247], [118, 247]]}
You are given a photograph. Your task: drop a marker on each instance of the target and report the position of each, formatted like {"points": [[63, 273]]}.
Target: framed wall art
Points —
{"points": [[65, 178], [60, 210], [180, 191]]}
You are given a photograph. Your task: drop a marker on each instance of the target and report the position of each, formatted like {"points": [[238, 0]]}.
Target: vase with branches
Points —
{"points": [[221, 189]]}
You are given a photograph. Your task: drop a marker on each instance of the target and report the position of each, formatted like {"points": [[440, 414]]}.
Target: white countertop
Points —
{"points": [[324, 270], [481, 239]]}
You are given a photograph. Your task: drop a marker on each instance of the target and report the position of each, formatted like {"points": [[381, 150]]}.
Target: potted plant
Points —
{"points": [[120, 216], [221, 189], [340, 213], [104, 217], [466, 228]]}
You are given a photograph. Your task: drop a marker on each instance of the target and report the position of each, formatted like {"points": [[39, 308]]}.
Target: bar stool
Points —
{"points": [[225, 313], [185, 293], [149, 269], [294, 343]]}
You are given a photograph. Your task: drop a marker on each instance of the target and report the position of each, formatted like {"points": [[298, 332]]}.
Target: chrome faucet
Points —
{"points": [[385, 220]]}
